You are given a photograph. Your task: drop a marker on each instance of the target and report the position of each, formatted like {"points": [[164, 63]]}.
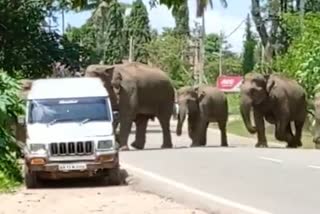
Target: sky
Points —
{"points": [[217, 19]]}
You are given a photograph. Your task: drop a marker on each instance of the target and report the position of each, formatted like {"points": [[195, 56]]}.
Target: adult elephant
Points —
{"points": [[203, 104], [142, 92], [279, 101], [316, 137]]}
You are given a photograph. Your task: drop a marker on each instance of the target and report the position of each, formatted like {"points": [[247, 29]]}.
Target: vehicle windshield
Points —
{"points": [[69, 110]]}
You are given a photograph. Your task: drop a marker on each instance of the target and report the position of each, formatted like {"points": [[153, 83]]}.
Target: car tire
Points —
{"points": [[114, 176], [31, 179]]}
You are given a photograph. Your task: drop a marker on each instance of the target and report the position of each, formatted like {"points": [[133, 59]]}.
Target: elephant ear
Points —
{"points": [[116, 80], [270, 83], [201, 95]]}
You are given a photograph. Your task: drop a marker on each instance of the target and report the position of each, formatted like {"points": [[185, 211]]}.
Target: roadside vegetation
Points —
{"points": [[30, 42]]}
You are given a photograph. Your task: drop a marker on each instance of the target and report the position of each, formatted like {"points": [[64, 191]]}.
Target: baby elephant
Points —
{"points": [[203, 104]]}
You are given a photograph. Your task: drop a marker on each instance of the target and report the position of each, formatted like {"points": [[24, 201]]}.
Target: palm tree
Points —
{"points": [[203, 4]]}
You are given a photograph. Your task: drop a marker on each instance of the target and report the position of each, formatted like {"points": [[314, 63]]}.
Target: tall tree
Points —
{"points": [[181, 16], [137, 26], [114, 39], [175, 4], [248, 60]]}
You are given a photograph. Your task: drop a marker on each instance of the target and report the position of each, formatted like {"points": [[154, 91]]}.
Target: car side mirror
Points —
{"points": [[115, 115], [21, 120]]}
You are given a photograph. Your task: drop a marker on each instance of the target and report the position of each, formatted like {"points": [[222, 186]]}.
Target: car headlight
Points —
{"points": [[38, 148], [105, 144]]}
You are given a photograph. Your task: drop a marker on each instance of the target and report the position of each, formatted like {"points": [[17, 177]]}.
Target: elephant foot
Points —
{"points": [[137, 146], [166, 146], [261, 145], [195, 145], [299, 143], [291, 146], [224, 145], [124, 148]]}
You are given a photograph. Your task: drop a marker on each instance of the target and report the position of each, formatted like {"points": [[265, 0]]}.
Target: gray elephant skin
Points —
{"points": [[203, 104], [316, 137], [279, 101], [140, 92]]}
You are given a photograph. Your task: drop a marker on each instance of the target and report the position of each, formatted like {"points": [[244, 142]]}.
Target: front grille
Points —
{"points": [[72, 148]]}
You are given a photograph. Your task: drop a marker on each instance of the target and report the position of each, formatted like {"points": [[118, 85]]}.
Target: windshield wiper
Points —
{"points": [[52, 122], [85, 120]]}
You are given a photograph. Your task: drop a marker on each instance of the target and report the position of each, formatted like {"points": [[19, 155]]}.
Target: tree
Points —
{"points": [[113, 32], [181, 16], [248, 60], [25, 45], [167, 52], [171, 4], [137, 27], [231, 63], [302, 61]]}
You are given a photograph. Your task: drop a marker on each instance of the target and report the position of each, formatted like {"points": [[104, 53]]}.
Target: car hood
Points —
{"points": [[70, 131]]}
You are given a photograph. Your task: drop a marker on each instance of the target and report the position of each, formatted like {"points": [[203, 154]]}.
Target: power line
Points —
{"points": [[237, 27]]}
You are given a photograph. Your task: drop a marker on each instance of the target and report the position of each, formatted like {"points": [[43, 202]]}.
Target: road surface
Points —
{"points": [[238, 179]]}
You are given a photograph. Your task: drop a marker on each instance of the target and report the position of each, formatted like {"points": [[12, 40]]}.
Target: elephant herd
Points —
{"points": [[141, 92]]}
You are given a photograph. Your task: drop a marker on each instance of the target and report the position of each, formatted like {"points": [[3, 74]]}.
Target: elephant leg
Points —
{"points": [[291, 144], [165, 125], [141, 123], [125, 128], [261, 134], [223, 133], [297, 138], [200, 138], [204, 129], [282, 133]]}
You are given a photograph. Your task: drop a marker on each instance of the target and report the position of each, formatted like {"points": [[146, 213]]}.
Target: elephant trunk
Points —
{"points": [[181, 118], [245, 106]]}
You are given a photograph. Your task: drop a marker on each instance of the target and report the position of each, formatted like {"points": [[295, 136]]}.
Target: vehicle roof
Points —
{"points": [[67, 88]]}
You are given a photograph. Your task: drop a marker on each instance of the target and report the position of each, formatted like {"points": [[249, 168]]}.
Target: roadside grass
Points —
{"points": [[237, 127], [7, 185]]}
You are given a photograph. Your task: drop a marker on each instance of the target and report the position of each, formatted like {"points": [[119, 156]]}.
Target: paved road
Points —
{"points": [[241, 177]]}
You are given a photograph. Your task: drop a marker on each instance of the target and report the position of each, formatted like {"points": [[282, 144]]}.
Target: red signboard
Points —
{"points": [[229, 83]]}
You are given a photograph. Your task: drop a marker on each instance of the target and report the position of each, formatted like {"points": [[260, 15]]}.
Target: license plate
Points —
{"points": [[68, 167]]}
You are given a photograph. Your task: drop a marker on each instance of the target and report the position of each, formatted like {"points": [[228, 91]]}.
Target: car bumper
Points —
{"points": [[50, 170]]}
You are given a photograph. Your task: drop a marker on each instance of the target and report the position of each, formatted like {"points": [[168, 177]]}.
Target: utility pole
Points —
{"points": [[202, 50], [301, 14], [130, 49], [220, 53], [62, 21]]}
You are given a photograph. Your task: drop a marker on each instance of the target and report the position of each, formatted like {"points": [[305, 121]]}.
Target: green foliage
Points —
{"points": [[302, 60], [168, 53], [137, 26], [10, 107], [114, 39], [231, 64], [83, 45], [25, 45], [248, 61], [181, 16]]}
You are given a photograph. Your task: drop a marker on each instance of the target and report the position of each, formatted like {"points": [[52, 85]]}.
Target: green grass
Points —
{"points": [[237, 127]]}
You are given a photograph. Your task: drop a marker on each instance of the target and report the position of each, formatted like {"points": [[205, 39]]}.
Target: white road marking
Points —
{"points": [[213, 198], [271, 159], [314, 166]]}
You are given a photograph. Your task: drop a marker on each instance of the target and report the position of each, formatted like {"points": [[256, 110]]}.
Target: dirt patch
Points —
{"points": [[77, 199]]}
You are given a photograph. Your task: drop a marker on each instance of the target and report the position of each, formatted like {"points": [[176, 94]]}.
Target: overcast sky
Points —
{"points": [[217, 19]]}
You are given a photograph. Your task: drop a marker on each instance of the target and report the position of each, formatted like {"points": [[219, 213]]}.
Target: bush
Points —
{"points": [[10, 107], [302, 60]]}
